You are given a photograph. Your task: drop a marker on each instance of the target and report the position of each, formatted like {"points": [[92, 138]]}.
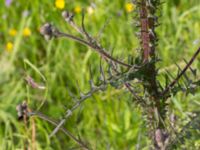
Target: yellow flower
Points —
{"points": [[60, 4], [26, 32], [9, 46], [90, 10], [77, 9], [12, 32], [129, 7]]}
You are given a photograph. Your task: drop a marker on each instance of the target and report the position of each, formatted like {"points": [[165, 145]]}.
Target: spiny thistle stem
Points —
{"points": [[148, 20], [145, 38], [148, 37]]}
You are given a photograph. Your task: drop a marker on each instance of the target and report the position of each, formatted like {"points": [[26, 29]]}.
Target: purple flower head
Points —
{"points": [[8, 2]]}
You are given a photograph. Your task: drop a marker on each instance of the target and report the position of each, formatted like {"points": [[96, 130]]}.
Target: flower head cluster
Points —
{"points": [[67, 16]]}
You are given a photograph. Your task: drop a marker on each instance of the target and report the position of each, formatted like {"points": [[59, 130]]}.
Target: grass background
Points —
{"points": [[107, 120]]}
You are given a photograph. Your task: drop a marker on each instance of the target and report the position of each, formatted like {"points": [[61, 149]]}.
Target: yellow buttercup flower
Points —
{"points": [[77, 9], [26, 32], [60, 4], [9, 46], [129, 7], [12, 32]]}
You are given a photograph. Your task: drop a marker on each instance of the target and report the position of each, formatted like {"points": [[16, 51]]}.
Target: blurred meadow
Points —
{"points": [[108, 120]]}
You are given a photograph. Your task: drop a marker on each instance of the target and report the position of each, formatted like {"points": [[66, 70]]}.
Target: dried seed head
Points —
{"points": [[48, 31], [67, 16], [22, 110]]}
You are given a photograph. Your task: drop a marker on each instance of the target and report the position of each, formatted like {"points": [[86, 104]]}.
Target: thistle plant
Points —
{"points": [[139, 76]]}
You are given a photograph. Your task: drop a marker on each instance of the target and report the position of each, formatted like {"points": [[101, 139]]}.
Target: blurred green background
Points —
{"points": [[108, 120]]}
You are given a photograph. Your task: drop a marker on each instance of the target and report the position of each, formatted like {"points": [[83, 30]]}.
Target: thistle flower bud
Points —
{"points": [[67, 16], [48, 31], [22, 110]]}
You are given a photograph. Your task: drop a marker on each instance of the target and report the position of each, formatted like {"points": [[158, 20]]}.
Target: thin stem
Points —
{"points": [[46, 118], [91, 40], [84, 32], [95, 47], [103, 28], [76, 105], [84, 97], [128, 86]]}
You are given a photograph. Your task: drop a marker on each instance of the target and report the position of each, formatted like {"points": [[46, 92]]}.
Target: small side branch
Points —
{"points": [[84, 97], [97, 48], [136, 97], [170, 86], [55, 123], [76, 105], [49, 31]]}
